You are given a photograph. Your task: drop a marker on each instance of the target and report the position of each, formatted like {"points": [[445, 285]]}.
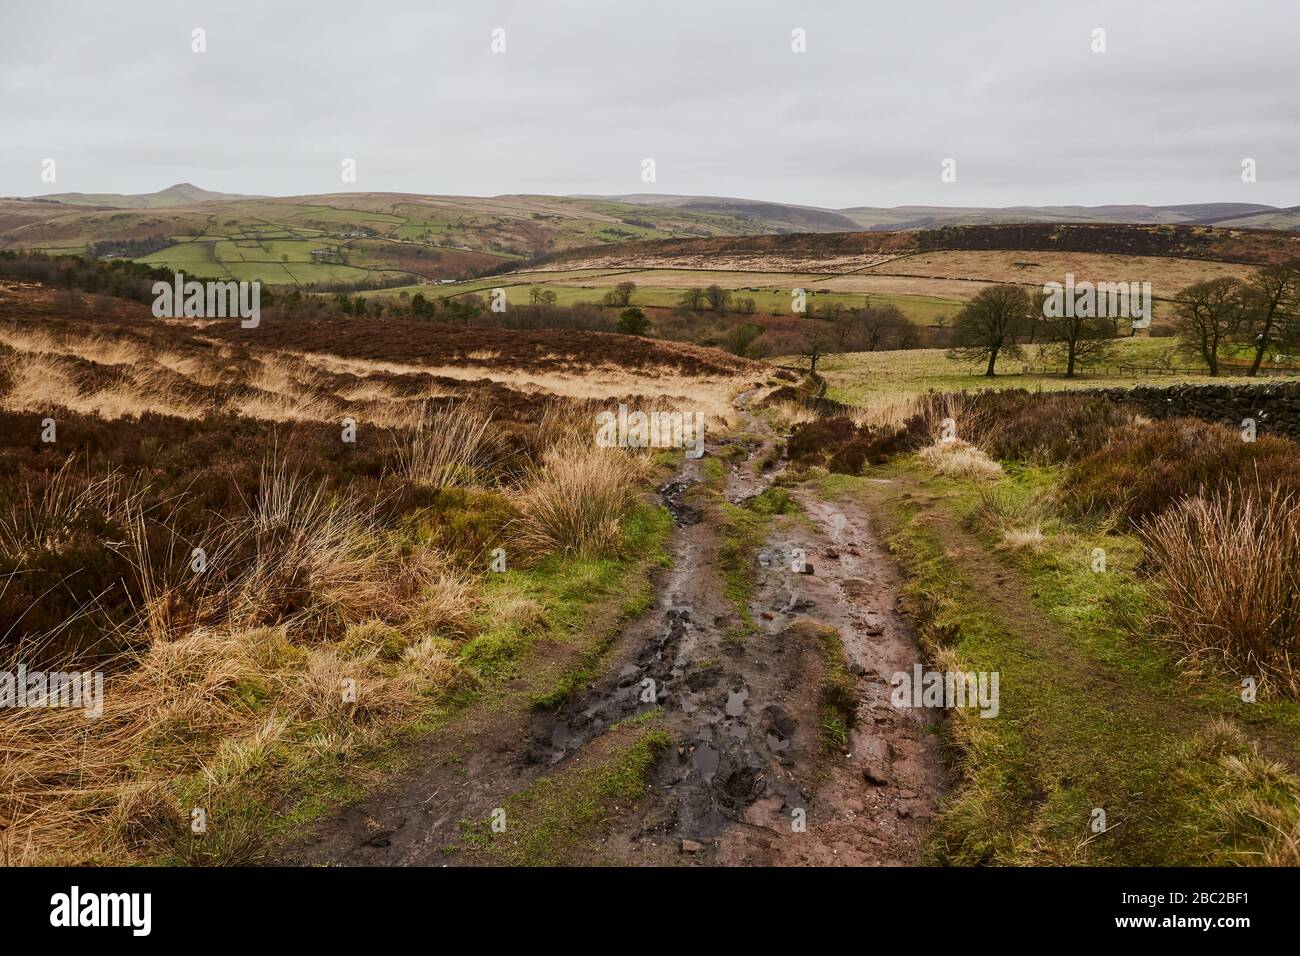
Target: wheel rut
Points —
{"points": [[749, 778]]}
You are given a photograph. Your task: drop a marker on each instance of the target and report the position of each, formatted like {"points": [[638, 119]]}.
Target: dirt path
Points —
{"points": [[748, 779]]}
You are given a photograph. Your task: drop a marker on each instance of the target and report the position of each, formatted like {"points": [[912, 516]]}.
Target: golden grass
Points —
{"points": [[788, 414], [102, 349], [74, 789], [454, 447], [1228, 566], [670, 390], [274, 386], [39, 382], [959, 459], [887, 410], [576, 500]]}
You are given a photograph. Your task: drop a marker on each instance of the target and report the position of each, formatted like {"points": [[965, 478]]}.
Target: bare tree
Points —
{"points": [[1270, 310], [878, 323], [1078, 340], [1208, 315], [990, 324], [813, 351], [844, 323]]}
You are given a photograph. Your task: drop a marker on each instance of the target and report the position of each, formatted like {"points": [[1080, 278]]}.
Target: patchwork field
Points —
{"points": [[374, 238]]}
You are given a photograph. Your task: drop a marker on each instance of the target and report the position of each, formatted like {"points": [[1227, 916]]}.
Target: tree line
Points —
{"points": [[1259, 315]]}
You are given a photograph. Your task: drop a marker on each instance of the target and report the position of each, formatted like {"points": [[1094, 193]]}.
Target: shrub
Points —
{"points": [[814, 442], [1038, 428], [632, 321], [1144, 469]]}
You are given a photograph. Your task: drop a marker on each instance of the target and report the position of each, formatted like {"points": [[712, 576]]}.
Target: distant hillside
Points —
{"points": [[182, 194], [847, 251], [1269, 219], [369, 240], [776, 217], [782, 217], [358, 239]]}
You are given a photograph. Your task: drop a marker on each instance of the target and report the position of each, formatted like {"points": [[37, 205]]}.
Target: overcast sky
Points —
{"points": [[710, 89]]}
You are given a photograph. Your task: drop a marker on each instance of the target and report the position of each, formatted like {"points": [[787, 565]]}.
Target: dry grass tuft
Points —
{"points": [[959, 459], [1228, 565], [1029, 538], [1257, 800], [576, 500], [888, 411], [455, 447], [788, 414]]}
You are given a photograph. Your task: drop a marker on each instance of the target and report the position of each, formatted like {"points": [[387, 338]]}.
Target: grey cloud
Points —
{"points": [[711, 90]]}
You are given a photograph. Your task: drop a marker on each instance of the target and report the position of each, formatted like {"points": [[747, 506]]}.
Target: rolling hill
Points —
{"points": [[794, 218], [182, 194], [387, 239]]}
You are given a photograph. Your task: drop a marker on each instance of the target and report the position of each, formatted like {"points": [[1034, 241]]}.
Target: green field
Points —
{"points": [[378, 236], [664, 289], [860, 377]]}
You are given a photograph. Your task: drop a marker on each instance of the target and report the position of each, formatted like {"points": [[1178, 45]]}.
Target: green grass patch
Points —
{"points": [[568, 589], [560, 817], [1093, 714], [838, 706], [744, 530]]}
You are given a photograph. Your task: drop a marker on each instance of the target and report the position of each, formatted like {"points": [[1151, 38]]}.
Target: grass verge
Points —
{"points": [[1094, 717]]}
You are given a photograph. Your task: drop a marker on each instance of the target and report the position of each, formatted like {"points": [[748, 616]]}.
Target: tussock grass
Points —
{"points": [[575, 501], [959, 459], [1021, 524], [230, 668], [788, 414], [450, 448], [1228, 565], [1256, 803], [889, 410], [211, 706]]}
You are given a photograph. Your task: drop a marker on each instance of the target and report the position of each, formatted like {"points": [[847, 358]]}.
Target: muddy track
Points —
{"points": [[749, 779]]}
